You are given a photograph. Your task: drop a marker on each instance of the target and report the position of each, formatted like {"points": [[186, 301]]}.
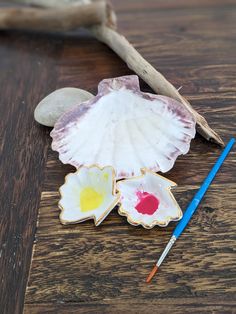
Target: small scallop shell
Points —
{"points": [[88, 193], [124, 128], [147, 200]]}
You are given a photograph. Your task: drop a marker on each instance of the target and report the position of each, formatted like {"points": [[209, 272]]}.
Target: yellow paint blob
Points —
{"points": [[106, 176], [90, 199]]}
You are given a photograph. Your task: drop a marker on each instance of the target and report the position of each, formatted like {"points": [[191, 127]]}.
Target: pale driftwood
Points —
{"points": [[50, 3], [56, 19], [118, 43]]}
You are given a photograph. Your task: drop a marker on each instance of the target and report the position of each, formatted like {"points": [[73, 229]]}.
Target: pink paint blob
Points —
{"points": [[148, 203]]}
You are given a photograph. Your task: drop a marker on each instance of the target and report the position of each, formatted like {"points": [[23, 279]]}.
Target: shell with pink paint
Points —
{"points": [[147, 200], [124, 128]]}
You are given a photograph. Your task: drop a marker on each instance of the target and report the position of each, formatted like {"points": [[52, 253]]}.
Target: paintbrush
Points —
{"points": [[192, 207]]}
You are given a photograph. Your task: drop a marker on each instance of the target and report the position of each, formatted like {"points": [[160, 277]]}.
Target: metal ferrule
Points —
{"points": [[165, 252]]}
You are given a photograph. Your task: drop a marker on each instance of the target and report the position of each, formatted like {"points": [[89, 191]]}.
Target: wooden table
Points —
{"points": [[84, 269]]}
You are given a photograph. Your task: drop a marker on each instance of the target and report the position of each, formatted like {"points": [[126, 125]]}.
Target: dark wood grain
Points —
{"points": [[83, 269], [177, 306], [84, 263], [25, 74]]}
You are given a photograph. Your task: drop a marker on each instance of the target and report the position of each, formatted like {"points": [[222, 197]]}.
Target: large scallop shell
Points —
{"points": [[124, 128], [147, 200]]}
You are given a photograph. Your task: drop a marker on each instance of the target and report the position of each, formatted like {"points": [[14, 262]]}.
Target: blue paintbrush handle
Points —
{"points": [[200, 193]]}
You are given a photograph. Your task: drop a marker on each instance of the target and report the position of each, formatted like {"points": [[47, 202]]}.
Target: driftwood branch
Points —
{"points": [[53, 19], [50, 3], [71, 17]]}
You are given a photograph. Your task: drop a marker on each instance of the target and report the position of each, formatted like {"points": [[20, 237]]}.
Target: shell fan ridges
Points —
{"points": [[124, 128]]}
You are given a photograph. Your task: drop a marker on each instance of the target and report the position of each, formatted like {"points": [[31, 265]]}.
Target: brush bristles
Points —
{"points": [[152, 274]]}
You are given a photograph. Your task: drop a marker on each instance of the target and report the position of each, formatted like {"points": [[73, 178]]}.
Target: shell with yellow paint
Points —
{"points": [[89, 193]]}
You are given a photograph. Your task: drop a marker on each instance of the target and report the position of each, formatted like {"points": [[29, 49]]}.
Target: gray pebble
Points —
{"points": [[58, 102]]}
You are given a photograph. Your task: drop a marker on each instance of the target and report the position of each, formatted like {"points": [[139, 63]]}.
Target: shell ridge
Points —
{"points": [[155, 149], [79, 145], [168, 139]]}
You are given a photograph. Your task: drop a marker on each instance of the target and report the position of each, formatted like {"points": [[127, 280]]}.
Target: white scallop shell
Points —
{"points": [[88, 193], [155, 185], [124, 128]]}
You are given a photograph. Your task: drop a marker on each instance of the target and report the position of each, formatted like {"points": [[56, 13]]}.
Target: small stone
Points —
{"points": [[49, 110]]}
